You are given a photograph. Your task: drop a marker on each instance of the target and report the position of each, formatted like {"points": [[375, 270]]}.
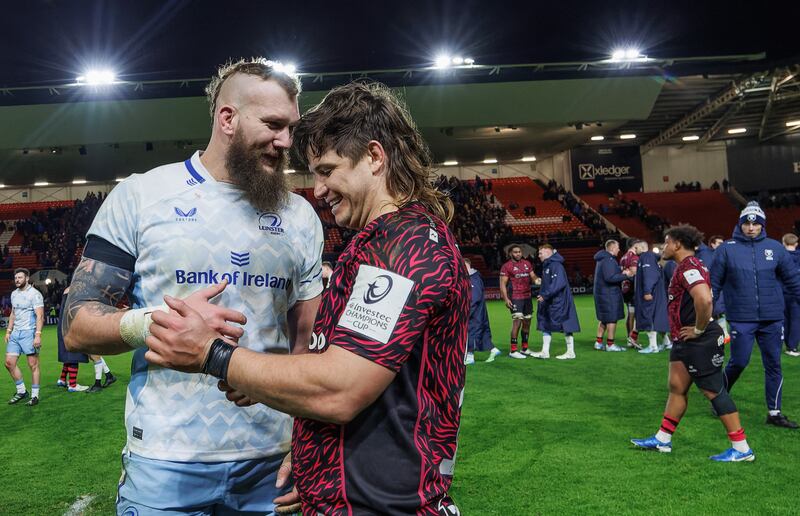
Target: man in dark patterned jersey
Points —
{"points": [[378, 400], [518, 272], [698, 349], [630, 262]]}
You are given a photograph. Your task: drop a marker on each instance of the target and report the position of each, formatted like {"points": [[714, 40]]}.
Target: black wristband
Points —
{"points": [[219, 357]]}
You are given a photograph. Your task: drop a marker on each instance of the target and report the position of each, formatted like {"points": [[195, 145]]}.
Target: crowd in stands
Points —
{"points": [[478, 219], [690, 187], [623, 207], [55, 234], [778, 199], [580, 210]]}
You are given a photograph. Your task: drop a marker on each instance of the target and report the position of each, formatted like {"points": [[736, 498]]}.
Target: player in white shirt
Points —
{"points": [[224, 216], [24, 335]]}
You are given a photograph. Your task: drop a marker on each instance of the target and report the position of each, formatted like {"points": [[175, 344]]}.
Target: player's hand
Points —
{"points": [[8, 335], [180, 339], [540, 299], [648, 297], [37, 341], [217, 317], [290, 502], [687, 333], [239, 398], [509, 305]]}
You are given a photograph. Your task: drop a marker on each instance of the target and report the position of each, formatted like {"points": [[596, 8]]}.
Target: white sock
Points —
{"points": [[570, 344], [34, 391], [652, 336], [666, 342], [724, 324], [20, 386], [546, 337], [495, 350], [774, 412], [105, 366], [663, 436], [740, 446], [98, 369]]}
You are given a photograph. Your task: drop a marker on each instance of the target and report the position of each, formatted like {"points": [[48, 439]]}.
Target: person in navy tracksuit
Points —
{"points": [[751, 271], [556, 311], [706, 255], [650, 298], [607, 290], [479, 334], [791, 315], [668, 269]]}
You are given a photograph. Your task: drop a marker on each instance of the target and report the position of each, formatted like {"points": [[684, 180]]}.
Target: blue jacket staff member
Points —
{"points": [[479, 332], [650, 298], [749, 270], [608, 308], [556, 311]]}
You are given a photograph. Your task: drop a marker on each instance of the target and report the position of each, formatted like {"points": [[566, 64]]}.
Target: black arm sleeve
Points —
{"points": [[104, 251]]}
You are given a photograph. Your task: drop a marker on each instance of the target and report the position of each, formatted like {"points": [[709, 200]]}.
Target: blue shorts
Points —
{"points": [[151, 486], [21, 343]]}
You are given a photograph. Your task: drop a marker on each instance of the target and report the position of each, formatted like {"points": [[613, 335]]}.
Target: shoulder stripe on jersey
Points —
{"points": [[195, 174]]}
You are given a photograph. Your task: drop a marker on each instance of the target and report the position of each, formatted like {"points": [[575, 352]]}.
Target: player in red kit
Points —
{"points": [[518, 272], [630, 262], [377, 400], [698, 350]]}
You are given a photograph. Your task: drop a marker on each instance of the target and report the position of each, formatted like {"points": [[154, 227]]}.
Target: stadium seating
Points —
{"points": [[781, 221], [551, 216], [692, 208]]}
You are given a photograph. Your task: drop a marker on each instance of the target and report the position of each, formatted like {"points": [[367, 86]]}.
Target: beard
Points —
{"points": [[266, 191]]}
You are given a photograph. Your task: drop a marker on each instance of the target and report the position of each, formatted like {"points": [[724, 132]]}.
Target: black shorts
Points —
{"points": [[627, 297], [523, 306], [701, 356]]}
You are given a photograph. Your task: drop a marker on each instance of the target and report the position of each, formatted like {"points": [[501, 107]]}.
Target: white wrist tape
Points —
{"points": [[134, 327]]}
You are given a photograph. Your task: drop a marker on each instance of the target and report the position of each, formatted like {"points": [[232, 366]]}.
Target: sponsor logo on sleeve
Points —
{"points": [[692, 276], [376, 302]]}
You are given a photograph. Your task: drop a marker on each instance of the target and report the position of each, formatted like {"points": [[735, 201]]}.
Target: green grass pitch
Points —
{"points": [[537, 437]]}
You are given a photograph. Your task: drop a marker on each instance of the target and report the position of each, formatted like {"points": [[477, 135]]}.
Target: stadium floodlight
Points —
{"points": [[48, 281], [99, 77], [529, 158], [618, 55], [450, 163], [78, 181], [286, 68], [2, 185], [489, 161], [458, 60], [442, 61], [41, 183], [119, 179], [627, 136], [469, 61], [598, 138], [690, 138], [289, 171], [793, 123], [737, 130], [632, 53]]}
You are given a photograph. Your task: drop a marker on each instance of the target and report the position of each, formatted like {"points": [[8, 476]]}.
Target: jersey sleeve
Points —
{"points": [[38, 300], [311, 272], [691, 276], [401, 282], [504, 270], [117, 219]]}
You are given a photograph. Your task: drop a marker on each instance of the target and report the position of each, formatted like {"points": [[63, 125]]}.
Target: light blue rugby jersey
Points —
{"points": [[188, 231], [25, 302]]}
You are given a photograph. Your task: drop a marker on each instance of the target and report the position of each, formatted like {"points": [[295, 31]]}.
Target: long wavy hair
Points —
{"points": [[349, 117]]}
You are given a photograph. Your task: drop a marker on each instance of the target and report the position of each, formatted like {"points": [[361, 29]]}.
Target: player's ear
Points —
{"points": [[225, 119], [376, 155]]}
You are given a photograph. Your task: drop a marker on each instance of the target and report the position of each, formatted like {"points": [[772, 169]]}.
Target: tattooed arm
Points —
{"points": [[91, 319]]}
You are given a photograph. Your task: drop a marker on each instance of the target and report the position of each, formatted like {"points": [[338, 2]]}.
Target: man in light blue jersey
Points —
{"points": [[24, 335], [224, 216]]}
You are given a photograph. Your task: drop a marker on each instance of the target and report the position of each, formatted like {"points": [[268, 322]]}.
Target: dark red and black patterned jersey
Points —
{"points": [[628, 260], [399, 296], [519, 276], [688, 274]]}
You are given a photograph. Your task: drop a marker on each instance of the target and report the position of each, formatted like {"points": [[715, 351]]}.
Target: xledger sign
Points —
{"points": [[606, 170]]}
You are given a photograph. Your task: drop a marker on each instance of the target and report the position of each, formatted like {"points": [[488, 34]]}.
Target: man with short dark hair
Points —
{"points": [[24, 335], [751, 270], [629, 262], [698, 350], [608, 295], [518, 273], [384, 381], [791, 316]]}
